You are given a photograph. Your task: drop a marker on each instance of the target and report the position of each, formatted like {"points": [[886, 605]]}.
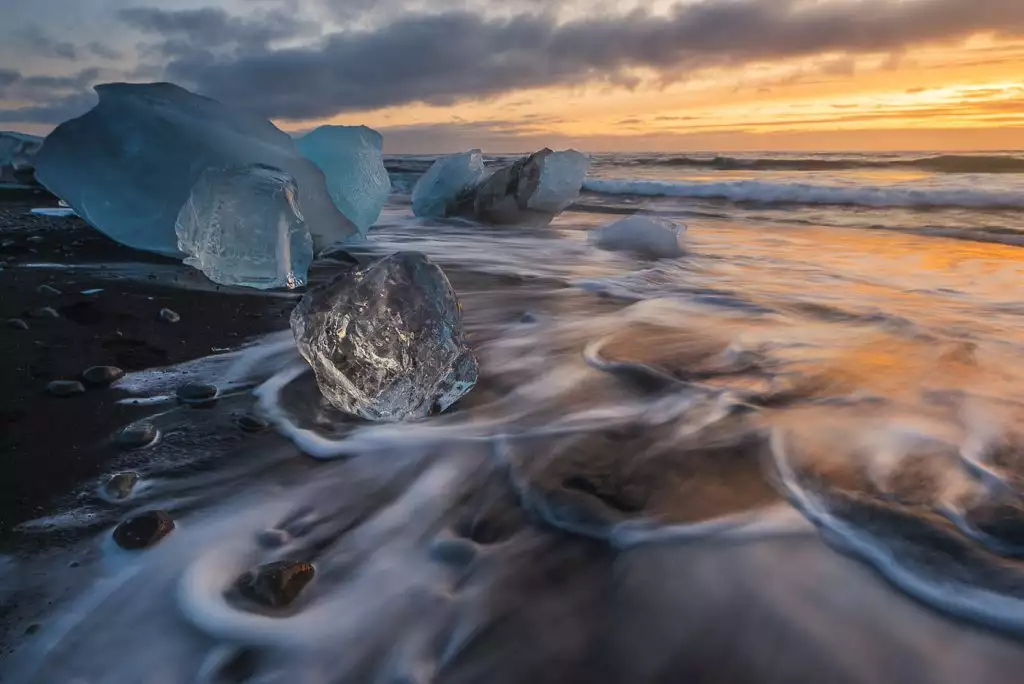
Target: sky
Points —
{"points": [[517, 75]]}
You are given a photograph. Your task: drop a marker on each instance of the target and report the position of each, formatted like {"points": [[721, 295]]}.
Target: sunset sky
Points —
{"points": [[512, 75]]}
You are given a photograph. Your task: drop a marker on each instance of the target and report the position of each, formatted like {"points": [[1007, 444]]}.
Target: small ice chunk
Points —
{"points": [[244, 226], [385, 340], [56, 212], [645, 235], [351, 159], [17, 158], [445, 182]]}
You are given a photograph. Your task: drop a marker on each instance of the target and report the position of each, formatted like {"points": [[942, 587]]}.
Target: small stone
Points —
{"points": [[136, 436], [45, 312], [17, 324], [144, 530], [74, 564], [251, 423], [272, 538], [275, 585], [169, 316], [48, 290], [65, 388], [194, 393], [102, 375], [528, 317], [34, 238], [33, 628], [120, 485]]}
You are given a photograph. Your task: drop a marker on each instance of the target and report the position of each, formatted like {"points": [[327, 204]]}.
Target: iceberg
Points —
{"points": [[244, 226], [128, 165], [385, 340], [533, 190], [448, 179], [350, 158], [17, 158], [645, 235]]}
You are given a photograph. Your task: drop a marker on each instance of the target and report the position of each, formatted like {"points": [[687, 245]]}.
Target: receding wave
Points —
{"points": [[764, 192], [945, 163]]}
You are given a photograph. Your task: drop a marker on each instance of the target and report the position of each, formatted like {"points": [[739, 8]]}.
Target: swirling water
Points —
{"points": [[793, 454]]}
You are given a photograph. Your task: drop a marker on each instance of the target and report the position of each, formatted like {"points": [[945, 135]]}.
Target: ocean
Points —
{"points": [[792, 454]]}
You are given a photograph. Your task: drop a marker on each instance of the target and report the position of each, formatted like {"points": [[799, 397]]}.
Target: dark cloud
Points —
{"points": [[52, 98], [103, 51], [442, 58], [53, 112], [40, 43]]}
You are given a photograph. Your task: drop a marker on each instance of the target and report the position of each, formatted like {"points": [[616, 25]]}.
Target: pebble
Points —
{"points": [[143, 530], [34, 238], [169, 316], [120, 485], [33, 628], [528, 317], [48, 290], [45, 312], [275, 585], [272, 538], [197, 394], [136, 436], [65, 388], [17, 324], [251, 423], [102, 375]]}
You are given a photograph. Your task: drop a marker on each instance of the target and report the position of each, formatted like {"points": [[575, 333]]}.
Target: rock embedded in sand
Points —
{"points": [[136, 436], [169, 316], [143, 530], [45, 312], [120, 485], [385, 340], [251, 423], [196, 393], [65, 388], [17, 324], [101, 376], [275, 585]]}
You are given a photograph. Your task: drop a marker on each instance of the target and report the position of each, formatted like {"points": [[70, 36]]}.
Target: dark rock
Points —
{"points": [[169, 316], [120, 485], [144, 530], [528, 317], [48, 290], [34, 238], [275, 585], [45, 312], [74, 564], [136, 436], [65, 388], [251, 423], [272, 538], [102, 375], [17, 324], [33, 628], [194, 393]]}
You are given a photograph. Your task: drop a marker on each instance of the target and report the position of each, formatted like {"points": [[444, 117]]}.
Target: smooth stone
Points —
{"points": [[65, 388], [48, 290], [45, 312], [102, 375], [196, 393], [275, 585], [144, 530], [17, 324], [136, 436], [251, 423], [121, 485], [528, 317], [33, 628], [272, 538], [455, 552], [169, 316]]}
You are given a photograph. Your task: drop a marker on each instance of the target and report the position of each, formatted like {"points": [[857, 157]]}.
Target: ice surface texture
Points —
{"points": [[446, 181], [128, 165], [244, 226], [17, 158], [644, 235], [385, 340], [532, 190], [350, 157]]}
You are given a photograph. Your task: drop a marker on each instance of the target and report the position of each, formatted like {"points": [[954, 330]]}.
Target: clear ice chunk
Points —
{"points": [[385, 340], [446, 181], [17, 158], [645, 235], [351, 159], [129, 164], [244, 226], [533, 190]]}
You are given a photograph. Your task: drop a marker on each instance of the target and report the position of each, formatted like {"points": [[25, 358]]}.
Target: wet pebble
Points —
{"points": [[528, 317], [120, 485], [194, 393], [272, 538], [143, 530], [45, 312], [33, 628], [136, 436], [102, 375], [48, 290], [65, 388], [17, 324], [275, 585], [251, 423], [169, 316]]}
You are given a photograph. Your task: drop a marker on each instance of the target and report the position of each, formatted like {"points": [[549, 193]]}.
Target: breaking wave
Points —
{"points": [[945, 163]]}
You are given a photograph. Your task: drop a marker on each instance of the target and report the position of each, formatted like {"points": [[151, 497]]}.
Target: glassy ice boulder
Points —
{"points": [[385, 340], [647, 236], [447, 180], [244, 226], [17, 158], [129, 164], [351, 159], [533, 190]]}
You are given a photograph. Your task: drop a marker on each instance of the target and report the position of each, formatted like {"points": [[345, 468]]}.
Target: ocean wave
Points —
{"points": [[805, 193], [946, 163]]}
